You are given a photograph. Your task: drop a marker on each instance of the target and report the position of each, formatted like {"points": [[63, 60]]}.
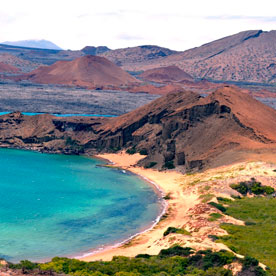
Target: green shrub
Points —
{"points": [[218, 206], [131, 150], [176, 230], [241, 188], [143, 151], [176, 251], [150, 165], [169, 165], [268, 190], [167, 196], [213, 237], [252, 186]]}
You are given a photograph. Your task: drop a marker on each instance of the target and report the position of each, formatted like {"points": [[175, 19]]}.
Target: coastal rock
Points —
{"points": [[181, 129]]}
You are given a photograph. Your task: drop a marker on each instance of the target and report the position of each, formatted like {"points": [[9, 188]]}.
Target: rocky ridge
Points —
{"points": [[181, 129]]}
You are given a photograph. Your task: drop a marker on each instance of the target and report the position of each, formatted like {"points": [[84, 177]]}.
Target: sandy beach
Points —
{"points": [[187, 206], [151, 241]]}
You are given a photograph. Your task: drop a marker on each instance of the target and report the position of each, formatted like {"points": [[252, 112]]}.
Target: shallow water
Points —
{"points": [[57, 205]]}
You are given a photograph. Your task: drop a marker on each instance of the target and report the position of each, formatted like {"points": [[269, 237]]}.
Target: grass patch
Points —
{"points": [[258, 237], [196, 181], [207, 197], [224, 200], [214, 216], [176, 231], [206, 188]]}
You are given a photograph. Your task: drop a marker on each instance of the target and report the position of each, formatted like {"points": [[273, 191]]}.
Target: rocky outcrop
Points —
{"points": [[181, 129]]}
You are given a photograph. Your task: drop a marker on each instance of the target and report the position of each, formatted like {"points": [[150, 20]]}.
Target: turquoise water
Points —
{"points": [[60, 205]]}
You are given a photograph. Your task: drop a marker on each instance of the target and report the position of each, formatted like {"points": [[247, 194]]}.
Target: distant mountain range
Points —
{"points": [[41, 44], [244, 57], [248, 56]]}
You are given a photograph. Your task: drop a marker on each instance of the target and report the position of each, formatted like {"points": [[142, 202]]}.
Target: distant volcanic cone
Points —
{"points": [[88, 71]]}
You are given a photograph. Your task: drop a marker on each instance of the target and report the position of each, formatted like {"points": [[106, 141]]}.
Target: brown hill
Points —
{"points": [[181, 129], [6, 68], [128, 57], [189, 131], [166, 74], [247, 56], [88, 71], [21, 64]]}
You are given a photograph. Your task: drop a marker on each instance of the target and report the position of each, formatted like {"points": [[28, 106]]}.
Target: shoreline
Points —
{"points": [[187, 206], [163, 183], [163, 209]]}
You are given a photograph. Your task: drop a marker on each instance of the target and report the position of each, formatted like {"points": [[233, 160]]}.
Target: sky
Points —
{"points": [[175, 24]]}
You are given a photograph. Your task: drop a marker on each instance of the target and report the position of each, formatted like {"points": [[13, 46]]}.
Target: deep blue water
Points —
{"points": [[60, 205]]}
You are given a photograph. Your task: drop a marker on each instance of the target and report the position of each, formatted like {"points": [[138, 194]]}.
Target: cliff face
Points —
{"points": [[181, 129]]}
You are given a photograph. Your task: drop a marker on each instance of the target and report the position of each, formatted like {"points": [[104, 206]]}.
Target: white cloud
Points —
{"points": [[177, 24]]}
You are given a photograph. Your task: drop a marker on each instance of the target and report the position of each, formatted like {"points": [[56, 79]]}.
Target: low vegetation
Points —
{"points": [[257, 237], [172, 261], [252, 187], [176, 231], [169, 165], [218, 206], [206, 197], [143, 151], [131, 150], [150, 165], [214, 216]]}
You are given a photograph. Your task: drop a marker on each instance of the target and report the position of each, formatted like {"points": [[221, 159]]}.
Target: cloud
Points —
{"points": [[125, 36], [242, 17]]}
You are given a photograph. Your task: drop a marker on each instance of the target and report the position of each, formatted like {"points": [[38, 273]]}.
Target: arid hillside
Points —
{"points": [[166, 74], [7, 68], [128, 57], [246, 56], [181, 129]]}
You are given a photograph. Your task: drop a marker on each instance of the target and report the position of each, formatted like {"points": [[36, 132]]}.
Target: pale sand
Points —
{"points": [[148, 242], [185, 209]]}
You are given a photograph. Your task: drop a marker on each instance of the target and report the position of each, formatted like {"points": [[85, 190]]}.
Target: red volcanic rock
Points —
{"points": [[87, 71], [7, 68], [182, 129], [166, 74]]}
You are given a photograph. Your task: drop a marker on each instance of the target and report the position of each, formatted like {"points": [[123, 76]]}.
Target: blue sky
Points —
{"points": [[176, 24]]}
